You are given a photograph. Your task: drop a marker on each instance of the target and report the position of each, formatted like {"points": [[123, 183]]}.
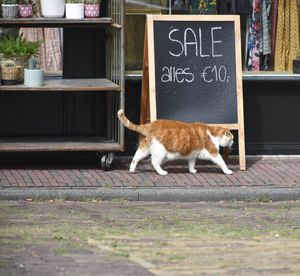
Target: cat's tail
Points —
{"points": [[137, 128]]}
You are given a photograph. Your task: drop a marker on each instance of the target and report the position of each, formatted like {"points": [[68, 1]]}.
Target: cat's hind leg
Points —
{"points": [[218, 160], [140, 154]]}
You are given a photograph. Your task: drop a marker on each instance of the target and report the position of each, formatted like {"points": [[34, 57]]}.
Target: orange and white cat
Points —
{"points": [[167, 139]]}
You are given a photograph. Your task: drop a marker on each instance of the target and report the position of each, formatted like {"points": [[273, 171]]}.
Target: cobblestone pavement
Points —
{"points": [[59, 237], [76, 171]]}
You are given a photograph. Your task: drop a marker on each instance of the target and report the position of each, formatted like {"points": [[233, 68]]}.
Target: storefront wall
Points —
{"points": [[271, 99], [271, 114]]}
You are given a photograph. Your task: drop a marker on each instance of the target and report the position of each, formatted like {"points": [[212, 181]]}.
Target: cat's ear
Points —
{"points": [[227, 133]]}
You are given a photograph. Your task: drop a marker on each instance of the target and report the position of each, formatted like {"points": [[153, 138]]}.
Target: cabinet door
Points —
{"points": [[84, 57], [31, 114], [85, 114]]}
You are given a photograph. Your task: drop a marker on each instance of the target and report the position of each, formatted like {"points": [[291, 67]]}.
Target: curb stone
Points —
{"points": [[155, 194]]}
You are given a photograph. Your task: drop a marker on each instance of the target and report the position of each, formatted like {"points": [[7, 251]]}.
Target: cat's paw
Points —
{"points": [[193, 171], [163, 172], [132, 170], [228, 172]]}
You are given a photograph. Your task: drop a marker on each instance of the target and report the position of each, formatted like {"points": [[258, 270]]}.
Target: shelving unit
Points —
{"points": [[109, 134], [57, 83]]}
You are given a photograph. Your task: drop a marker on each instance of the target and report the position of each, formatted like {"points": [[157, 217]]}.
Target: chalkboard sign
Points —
{"points": [[195, 71], [192, 71]]}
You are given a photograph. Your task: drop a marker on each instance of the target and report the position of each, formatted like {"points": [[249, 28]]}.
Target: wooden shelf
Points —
{"points": [[55, 22], [111, 39], [58, 144], [59, 84], [271, 76]]}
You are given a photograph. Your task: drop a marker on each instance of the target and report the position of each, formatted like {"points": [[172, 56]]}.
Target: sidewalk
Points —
{"points": [[76, 177]]}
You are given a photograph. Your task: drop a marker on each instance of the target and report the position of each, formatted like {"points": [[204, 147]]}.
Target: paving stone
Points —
{"points": [[281, 172]]}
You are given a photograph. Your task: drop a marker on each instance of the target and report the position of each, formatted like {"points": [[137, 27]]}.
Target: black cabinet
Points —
{"points": [[76, 110]]}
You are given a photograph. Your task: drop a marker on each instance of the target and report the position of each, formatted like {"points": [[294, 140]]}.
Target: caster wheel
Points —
{"points": [[106, 161]]}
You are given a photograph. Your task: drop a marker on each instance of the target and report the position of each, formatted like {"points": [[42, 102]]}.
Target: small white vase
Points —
{"points": [[33, 77], [74, 11], [53, 8]]}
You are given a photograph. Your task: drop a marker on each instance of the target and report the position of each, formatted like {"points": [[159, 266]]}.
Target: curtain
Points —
{"points": [[50, 55]]}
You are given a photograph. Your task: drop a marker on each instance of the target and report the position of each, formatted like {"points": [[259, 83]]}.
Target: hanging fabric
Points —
{"points": [[253, 63], [265, 35], [259, 36], [265, 18], [273, 32], [287, 35]]}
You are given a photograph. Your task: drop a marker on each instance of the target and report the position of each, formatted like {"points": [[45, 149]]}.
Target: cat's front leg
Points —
{"points": [[158, 168], [156, 162], [220, 162], [192, 163], [158, 154]]}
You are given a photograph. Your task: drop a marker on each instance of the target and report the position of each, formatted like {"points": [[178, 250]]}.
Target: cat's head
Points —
{"points": [[225, 136]]}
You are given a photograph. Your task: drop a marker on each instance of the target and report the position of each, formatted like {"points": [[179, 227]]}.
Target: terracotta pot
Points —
{"points": [[91, 10], [25, 11], [10, 75], [19, 60]]}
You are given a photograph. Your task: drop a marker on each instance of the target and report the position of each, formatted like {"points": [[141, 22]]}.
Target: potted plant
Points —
{"points": [[53, 8], [10, 72], [33, 75], [91, 8], [25, 8], [19, 50], [74, 9], [9, 8]]}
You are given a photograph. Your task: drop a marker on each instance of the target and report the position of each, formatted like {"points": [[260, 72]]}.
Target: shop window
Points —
{"points": [[269, 29], [135, 20]]}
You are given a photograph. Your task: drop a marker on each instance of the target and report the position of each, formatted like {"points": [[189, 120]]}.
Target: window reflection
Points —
{"points": [[135, 20], [269, 29]]}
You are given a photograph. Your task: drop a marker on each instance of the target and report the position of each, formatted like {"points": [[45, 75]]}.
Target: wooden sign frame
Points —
{"points": [[148, 96]]}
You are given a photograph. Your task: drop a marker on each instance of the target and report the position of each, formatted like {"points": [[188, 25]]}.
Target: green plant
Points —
{"points": [[9, 2], [24, 2], [18, 46], [91, 2], [74, 1], [263, 199], [33, 63]]}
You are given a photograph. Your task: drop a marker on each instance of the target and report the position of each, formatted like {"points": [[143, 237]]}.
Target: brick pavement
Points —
{"points": [[73, 171]]}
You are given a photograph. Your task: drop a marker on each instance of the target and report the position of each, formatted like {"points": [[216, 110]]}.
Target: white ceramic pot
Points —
{"points": [[33, 77], [53, 8], [74, 11]]}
